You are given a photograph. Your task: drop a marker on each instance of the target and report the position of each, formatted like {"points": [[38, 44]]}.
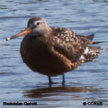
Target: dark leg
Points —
{"points": [[50, 81], [63, 79]]}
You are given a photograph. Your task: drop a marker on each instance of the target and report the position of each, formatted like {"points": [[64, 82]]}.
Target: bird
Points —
{"points": [[53, 51]]}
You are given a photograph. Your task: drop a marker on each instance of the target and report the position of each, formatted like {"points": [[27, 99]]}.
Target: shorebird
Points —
{"points": [[53, 51]]}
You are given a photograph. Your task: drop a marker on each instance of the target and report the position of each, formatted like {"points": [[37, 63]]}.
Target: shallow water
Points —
{"points": [[88, 83]]}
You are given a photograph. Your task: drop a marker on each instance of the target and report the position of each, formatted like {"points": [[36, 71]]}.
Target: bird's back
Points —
{"points": [[74, 46]]}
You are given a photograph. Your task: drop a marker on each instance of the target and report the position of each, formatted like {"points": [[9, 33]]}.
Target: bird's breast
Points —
{"points": [[34, 50], [37, 55]]}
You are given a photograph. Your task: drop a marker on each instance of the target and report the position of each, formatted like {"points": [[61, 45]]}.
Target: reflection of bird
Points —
{"points": [[52, 50], [51, 91]]}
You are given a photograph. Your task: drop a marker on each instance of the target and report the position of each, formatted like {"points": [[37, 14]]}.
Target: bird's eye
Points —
{"points": [[38, 23]]}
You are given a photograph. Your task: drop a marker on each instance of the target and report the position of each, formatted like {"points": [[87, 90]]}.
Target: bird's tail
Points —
{"points": [[90, 53], [98, 42], [90, 37]]}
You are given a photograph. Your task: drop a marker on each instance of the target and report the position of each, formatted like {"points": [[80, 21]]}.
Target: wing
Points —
{"points": [[69, 43], [88, 39]]}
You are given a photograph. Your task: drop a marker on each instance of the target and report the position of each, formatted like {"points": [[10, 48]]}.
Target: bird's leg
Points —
{"points": [[63, 79], [50, 80]]}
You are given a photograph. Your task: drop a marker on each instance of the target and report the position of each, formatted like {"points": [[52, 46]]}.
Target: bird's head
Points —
{"points": [[35, 25]]}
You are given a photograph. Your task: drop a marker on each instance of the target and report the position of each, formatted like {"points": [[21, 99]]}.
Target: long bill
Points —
{"points": [[26, 31]]}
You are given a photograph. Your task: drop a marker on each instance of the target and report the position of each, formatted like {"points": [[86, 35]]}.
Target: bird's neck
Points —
{"points": [[44, 33]]}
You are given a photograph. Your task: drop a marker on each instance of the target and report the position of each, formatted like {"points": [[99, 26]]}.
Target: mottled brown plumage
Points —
{"points": [[53, 51]]}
